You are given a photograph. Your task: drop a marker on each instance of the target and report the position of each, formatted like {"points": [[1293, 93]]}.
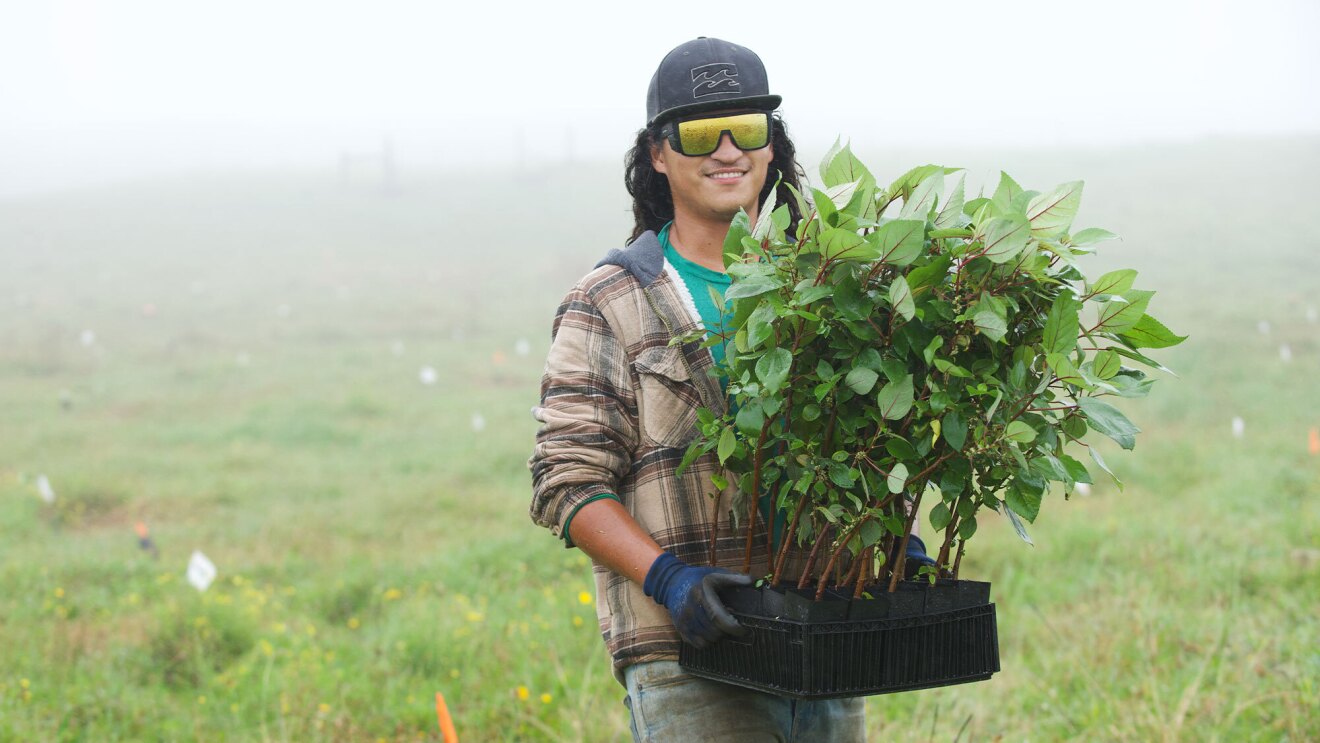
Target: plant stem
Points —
{"points": [[823, 538], [902, 548], [868, 555], [834, 558], [715, 527], [752, 501], [778, 570]]}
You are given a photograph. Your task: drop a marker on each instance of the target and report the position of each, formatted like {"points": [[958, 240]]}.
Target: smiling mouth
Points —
{"points": [[727, 175]]}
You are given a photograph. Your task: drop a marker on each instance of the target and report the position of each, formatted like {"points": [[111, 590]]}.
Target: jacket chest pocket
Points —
{"points": [[669, 399]]}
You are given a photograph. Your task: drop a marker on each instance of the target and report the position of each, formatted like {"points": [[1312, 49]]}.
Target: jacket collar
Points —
{"points": [[643, 257]]}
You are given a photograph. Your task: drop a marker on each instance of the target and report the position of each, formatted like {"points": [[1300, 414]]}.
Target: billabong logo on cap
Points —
{"points": [[714, 78]]}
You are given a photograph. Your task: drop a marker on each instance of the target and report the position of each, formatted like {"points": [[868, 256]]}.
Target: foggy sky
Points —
{"points": [[95, 91]]}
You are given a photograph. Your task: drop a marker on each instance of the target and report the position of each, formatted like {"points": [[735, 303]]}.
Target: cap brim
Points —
{"points": [[764, 102]]}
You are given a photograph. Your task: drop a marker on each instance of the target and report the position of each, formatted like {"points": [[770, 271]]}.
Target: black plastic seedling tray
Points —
{"points": [[918, 637]]}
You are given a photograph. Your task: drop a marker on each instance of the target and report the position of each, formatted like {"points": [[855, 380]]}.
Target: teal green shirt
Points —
{"points": [[699, 281]]}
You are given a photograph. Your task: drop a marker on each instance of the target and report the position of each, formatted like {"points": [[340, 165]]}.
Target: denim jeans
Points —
{"points": [[668, 704]]}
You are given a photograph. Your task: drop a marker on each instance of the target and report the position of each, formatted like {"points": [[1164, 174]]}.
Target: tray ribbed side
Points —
{"points": [[856, 657]]}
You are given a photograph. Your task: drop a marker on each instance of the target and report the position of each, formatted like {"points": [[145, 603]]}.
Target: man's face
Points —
{"points": [[714, 186]]}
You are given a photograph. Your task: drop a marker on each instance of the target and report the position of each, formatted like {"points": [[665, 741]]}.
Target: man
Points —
{"points": [[619, 403]]}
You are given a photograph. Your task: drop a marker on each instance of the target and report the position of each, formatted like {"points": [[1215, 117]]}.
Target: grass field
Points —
{"points": [[250, 388]]}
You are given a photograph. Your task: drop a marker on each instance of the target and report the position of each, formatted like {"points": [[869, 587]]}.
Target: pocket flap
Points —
{"points": [[666, 361]]}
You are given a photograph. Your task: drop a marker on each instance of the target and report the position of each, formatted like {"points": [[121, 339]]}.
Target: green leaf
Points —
{"points": [[954, 429], [1020, 432], [966, 528], [840, 475], [1092, 235], [750, 287], [1151, 333], [895, 399], [923, 197], [940, 516], [900, 298], [1101, 461], [1018, 527], [772, 369], [861, 380], [899, 242], [1024, 502], [1050, 468], [759, 327], [1060, 334], [1107, 419], [841, 166], [848, 299], [1114, 282], [810, 411], [1005, 237], [870, 533], [1063, 369], [750, 418], [990, 325], [1077, 471], [1122, 313], [842, 244], [897, 478], [739, 228], [900, 449], [1053, 212], [930, 274], [950, 214], [1008, 190], [694, 450], [1106, 364], [727, 443]]}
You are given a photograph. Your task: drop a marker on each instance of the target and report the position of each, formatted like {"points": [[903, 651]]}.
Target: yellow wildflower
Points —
{"points": [[24, 683], [454, 673], [584, 598], [323, 708], [475, 616], [545, 698], [523, 693], [201, 699], [577, 621], [393, 594], [353, 623], [59, 593]]}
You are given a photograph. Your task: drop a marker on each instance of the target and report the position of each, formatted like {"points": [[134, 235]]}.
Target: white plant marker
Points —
{"points": [[396, 348], [44, 489], [201, 571], [1285, 352], [87, 338], [522, 347], [478, 422], [1264, 327], [1239, 427], [1083, 489], [427, 375]]}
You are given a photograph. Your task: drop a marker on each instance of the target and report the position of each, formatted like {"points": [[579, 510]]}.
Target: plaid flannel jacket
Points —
{"points": [[618, 408]]}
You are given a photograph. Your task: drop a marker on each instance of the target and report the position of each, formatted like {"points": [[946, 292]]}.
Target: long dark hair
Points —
{"points": [[653, 204]]}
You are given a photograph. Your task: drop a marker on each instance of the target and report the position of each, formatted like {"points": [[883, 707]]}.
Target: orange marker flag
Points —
{"points": [[1313, 445], [447, 731]]}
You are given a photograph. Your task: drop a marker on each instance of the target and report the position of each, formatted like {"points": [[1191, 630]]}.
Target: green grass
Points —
{"points": [[373, 549]]}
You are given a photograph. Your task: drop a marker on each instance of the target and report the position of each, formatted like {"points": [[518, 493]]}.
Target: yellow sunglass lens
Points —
{"points": [[702, 136]]}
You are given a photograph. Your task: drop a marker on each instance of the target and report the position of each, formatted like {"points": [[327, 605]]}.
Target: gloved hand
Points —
{"points": [[916, 557], [691, 596]]}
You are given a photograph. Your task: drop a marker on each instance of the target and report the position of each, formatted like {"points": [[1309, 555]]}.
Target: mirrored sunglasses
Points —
{"points": [[701, 136]]}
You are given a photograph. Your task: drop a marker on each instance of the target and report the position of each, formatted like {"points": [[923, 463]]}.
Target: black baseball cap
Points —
{"points": [[704, 75]]}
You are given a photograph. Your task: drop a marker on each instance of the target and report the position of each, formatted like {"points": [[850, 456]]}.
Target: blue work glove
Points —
{"points": [[916, 556], [691, 594]]}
